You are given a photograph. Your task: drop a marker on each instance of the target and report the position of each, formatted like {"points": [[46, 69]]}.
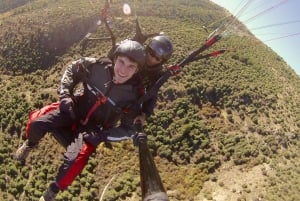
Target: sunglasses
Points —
{"points": [[152, 53]]}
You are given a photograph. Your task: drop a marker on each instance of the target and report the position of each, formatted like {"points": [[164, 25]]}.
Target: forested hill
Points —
{"points": [[225, 128]]}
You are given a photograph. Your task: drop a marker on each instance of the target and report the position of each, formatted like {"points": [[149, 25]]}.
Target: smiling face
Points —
{"points": [[124, 69]]}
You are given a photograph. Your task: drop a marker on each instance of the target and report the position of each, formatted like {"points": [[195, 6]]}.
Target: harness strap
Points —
{"points": [[102, 98], [100, 101]]}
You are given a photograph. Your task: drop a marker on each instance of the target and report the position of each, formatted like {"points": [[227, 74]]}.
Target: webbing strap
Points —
{"points": [[100, 101]]}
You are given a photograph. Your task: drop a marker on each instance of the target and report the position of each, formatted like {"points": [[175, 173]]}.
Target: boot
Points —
{"points": [[48, 195], [22, 152]]}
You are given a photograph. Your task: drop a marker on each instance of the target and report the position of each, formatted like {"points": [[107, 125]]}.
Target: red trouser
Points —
{"points": [[75, 159]]}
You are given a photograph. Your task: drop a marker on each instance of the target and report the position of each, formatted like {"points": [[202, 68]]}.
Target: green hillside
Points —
{"points": [[226, 128]]}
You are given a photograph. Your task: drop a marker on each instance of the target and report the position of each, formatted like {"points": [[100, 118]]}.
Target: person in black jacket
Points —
{"points": [[107, 92], [159, 50]]}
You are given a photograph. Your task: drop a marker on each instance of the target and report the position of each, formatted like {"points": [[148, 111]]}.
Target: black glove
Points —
{"points": [[95, 137], [66, 106], [139, 137], [108, 145]]}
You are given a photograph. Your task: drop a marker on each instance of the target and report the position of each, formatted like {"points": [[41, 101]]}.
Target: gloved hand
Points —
{"points": [[140, 119], [174, 69], [66, 106], [95, 137], [139, 137], [108, 145]]}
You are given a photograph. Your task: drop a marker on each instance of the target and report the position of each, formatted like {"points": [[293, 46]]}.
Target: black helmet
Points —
{"points": [[133, 50], [161, 46]]}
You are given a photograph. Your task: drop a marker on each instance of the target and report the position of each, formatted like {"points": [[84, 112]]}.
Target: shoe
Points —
{"points": [[48, 195], [23, 151]]}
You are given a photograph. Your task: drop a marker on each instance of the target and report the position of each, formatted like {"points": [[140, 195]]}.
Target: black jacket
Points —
{"points": [[96, 78]]}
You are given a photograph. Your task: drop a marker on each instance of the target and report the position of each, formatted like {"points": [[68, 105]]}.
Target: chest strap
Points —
{"points": [[101, 99]]}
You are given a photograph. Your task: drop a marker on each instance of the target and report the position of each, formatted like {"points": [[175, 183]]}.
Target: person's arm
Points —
{"points": [[149, 105], [126, 130], [146, 110], [73, 74]]}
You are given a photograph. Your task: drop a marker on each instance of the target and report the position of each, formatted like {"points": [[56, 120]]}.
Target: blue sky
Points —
{"points": [[275, 22]]}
